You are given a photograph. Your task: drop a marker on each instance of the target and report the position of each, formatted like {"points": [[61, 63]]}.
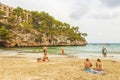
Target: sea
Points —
{"points": [[91, 50]]}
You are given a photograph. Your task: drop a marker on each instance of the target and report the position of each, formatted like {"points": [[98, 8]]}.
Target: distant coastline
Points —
{"points": [[104, 43]]}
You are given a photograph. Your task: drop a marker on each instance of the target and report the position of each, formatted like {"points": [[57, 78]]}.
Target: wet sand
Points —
{"points": [[60, 67]]}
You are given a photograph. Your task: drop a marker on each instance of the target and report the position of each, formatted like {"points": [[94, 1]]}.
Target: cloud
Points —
{"points": [[80, 9], [78, 13], [107, 15], [111, 3]]}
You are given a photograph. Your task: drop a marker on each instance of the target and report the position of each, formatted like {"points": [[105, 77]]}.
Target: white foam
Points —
{"points": [[98, 55]]}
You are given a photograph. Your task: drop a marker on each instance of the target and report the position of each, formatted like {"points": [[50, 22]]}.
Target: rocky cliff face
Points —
{"points": [[29, 39]]}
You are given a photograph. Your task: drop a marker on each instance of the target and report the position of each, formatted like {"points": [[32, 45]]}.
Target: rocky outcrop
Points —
{"points": [[19, 39]]}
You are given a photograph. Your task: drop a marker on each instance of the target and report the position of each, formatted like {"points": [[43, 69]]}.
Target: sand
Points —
{"points": [[60, 67]]}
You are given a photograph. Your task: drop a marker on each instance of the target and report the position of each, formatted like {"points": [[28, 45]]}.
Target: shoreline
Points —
{"points": [[113, 57]]}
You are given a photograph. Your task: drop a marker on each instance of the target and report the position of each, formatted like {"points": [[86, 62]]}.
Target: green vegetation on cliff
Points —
{"points": [[42, 26]]}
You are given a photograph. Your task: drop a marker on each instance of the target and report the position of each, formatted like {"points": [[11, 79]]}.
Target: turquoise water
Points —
{"points": [[80, 51]]}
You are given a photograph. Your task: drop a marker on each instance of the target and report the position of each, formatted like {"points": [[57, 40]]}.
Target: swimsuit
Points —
{"points": [[87, 69]]}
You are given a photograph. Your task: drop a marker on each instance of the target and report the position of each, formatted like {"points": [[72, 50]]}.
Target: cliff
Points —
{"points": [[32, 28], [19, 39]]}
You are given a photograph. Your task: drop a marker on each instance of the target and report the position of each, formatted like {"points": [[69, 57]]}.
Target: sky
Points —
{"points": [[100, 19]]}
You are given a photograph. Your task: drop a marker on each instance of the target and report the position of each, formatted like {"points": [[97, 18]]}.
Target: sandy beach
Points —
{"points": [[60, 67]]}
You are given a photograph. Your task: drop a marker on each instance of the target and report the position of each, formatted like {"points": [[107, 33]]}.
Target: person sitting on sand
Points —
{"points": [[45, 57], [87, 65], [98, 69], [98, 65]]}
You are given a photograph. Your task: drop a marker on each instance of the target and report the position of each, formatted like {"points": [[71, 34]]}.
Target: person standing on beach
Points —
{"points": [[104, 52], [62, 50], [45, 50]]}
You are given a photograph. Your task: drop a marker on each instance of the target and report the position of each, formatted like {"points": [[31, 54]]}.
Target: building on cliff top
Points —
{"points": [[8, 12]]}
